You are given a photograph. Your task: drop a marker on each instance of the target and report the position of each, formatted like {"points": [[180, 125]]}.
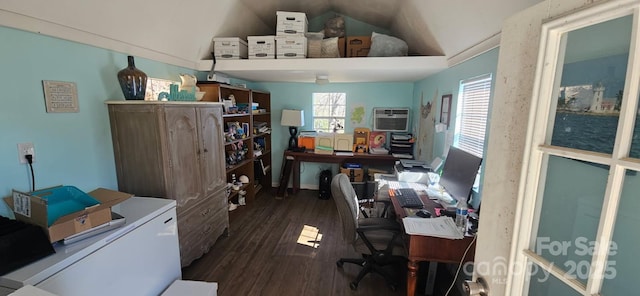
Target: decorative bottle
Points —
{"points": [[132, 81], [461, 216]]}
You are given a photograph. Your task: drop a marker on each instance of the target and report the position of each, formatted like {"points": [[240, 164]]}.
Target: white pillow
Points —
{"points": [[387, 46], [330, 48]]}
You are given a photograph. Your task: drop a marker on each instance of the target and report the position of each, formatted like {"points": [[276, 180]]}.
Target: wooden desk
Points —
{"points": [[428, 248], [365, 158]]}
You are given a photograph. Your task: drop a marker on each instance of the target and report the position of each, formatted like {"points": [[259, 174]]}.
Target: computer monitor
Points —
{"points": [[459, 173]]}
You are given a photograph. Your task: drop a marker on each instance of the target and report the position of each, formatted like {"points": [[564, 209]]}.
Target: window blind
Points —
{"points": [[472, 113]]}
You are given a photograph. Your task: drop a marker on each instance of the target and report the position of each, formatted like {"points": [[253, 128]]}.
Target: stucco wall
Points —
{"points": [[510, 113]]}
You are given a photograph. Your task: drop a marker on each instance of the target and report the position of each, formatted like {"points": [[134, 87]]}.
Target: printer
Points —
{"points": [[412, 171]]}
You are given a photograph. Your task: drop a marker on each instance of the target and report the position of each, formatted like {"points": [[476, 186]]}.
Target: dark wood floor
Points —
{"points": [[262, 255]]}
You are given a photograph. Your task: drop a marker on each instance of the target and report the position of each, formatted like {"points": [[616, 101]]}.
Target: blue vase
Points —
{"points": [[132, 81]]}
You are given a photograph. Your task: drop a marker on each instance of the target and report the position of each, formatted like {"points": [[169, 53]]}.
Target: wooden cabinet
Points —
{"points": [[246, 153], [175, 150]]}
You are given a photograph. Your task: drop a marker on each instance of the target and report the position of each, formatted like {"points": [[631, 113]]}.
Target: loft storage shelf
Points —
{"points": [[383, 69]]}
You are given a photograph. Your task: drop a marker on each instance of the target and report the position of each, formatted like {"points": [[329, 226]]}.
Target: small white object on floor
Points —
{"points": [[232, 206], [191, 288]]}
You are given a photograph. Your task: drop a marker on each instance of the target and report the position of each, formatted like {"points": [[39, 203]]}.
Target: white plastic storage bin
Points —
{"points": [[291, 23], [232, 48], [291, 47], [262, 47]]}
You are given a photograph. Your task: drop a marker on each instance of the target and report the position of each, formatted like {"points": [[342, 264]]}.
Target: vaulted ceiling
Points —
{"points": [[180, 32]]}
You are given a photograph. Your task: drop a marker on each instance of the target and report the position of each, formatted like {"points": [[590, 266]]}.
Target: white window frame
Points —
{"points": [[537, 152], [474, 97], [333, 106]]}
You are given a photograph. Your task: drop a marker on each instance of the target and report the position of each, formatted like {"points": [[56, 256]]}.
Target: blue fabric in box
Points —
{"points": [[64, 200]]}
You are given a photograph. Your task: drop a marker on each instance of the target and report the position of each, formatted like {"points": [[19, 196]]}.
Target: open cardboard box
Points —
{"points": [[34, 210]]}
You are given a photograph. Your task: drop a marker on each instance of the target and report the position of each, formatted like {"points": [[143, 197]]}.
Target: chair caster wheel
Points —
{"points": [[353, 286], [339, 264]]}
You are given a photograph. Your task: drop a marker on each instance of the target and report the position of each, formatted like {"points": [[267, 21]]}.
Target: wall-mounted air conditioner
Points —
{"points": [[391, 119]]}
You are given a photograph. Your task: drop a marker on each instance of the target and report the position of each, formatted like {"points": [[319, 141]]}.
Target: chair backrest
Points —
{"points": [[347, 203]]}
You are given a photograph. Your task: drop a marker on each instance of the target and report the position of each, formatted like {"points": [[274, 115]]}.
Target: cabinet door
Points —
{"points": [[211, 135], [184, 155]]}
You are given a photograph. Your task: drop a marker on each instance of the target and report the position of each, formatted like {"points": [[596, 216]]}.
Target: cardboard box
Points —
{"points": [[262, 47], [324, 143], [34, 209], [291, 47], [358, 46], [291, 23], [230, 48], [343, 142], [355, 175]]}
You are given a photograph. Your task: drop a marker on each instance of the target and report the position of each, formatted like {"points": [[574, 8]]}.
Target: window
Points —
{"points": [[582, 159], [471, 117], [329, 111]]}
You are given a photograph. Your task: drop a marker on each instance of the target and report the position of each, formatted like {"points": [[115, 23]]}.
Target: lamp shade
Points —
{"points": [[292, 117]]}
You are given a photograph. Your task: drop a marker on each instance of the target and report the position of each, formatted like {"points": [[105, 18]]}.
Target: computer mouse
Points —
{"points": [[423, 214]]}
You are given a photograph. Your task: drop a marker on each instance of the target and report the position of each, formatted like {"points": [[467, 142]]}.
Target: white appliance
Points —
{"points": [[391, 119], [140, 258]]}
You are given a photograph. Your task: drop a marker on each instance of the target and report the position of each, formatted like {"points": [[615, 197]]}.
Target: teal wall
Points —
{"points": [[299, 96], [70, 148], [448, 82]]}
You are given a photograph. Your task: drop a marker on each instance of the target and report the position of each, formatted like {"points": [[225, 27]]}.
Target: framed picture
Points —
{"points": [[445, 109], [60, 96]]}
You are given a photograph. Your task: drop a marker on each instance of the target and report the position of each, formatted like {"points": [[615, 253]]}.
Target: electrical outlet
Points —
{"points": [[24, 149]]}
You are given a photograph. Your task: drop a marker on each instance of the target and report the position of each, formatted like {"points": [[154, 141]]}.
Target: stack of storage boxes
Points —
{"points": [[290, 40]]}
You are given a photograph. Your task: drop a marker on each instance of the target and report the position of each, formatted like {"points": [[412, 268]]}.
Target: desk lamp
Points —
{"points": [[293, 119]]}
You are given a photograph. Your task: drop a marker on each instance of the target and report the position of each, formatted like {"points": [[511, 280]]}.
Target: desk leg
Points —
{"points": [[431, 278], [296, 176], [412, 277]]}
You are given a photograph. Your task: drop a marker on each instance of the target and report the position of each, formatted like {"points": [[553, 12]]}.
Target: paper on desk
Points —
{"points": [[443, 227]]}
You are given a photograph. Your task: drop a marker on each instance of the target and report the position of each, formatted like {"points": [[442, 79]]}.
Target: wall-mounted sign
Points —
{"points": [[60, 96]]}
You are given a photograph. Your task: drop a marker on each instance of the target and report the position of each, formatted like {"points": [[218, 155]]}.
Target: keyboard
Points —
{"points": [[407, 197]]}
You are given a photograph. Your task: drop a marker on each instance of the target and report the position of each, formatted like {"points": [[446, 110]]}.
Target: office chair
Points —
{"points": [[378, 239]]}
